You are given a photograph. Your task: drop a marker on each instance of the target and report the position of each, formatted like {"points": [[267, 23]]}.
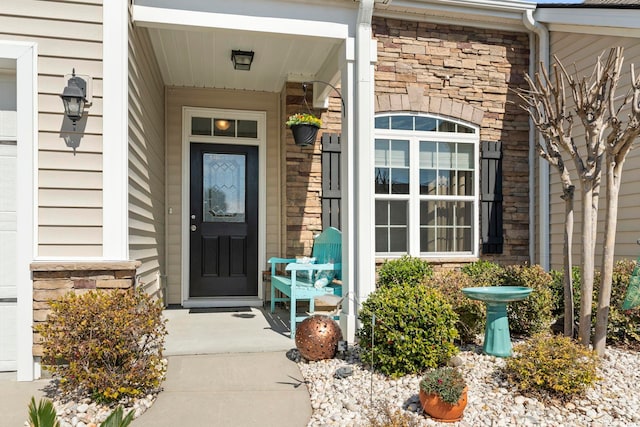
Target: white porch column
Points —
{"points": [[358, 81], [347, 212]]}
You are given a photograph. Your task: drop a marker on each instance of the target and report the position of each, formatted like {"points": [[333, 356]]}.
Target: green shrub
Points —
{"points": [[414, 330], [106, 343], [409, 270], [557, 289], [533, 314], [484, 273], [471, 313], [555, 364], [624, 326]]}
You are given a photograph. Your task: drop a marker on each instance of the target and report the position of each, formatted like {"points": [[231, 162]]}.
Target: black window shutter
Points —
{"points": [[331, 180], [491, 202]]}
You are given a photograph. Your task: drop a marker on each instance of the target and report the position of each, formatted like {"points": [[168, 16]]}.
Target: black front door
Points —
{"points": [[224, 220]]}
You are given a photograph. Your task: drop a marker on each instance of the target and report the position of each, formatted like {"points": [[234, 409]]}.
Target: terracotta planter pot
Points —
{"points": [[304, 134], [442, 411]]}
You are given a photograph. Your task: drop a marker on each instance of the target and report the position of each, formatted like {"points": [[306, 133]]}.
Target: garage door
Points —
{"points": [[8, 231]]}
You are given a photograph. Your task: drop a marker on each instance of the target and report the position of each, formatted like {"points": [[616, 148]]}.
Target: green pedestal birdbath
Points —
{"points": [[497, 340]]}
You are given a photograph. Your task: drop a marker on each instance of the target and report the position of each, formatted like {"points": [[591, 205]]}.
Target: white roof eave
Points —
{"points": [[601, 21], [506, 14]]}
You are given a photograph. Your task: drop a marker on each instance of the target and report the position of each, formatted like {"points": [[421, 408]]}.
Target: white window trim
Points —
{"points": [[261, 143], [414, 198]]}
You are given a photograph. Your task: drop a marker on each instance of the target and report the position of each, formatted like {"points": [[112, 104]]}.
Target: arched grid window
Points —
{"points": [[426, 186]]}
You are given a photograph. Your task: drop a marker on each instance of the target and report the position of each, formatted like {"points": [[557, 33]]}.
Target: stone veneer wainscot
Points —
{"points": [[52, 280]]}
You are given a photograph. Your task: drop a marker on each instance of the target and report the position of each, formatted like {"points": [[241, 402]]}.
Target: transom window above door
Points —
{"points": [[216, 126], [426, 186]]}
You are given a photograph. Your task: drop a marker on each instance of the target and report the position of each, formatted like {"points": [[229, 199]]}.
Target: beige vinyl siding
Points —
{"points": [[223, 99], [582, 50], [69, 35], [146, 161]]}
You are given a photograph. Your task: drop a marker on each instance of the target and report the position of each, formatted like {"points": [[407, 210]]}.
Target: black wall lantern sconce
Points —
{"points": [[74, 98], [241, 59]]}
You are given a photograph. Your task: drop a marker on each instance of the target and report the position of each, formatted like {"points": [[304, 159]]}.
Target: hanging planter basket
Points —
{"points": [[304, 134]]}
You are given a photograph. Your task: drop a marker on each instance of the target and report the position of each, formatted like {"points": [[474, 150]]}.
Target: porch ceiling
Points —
{"points": [[202, 57]]}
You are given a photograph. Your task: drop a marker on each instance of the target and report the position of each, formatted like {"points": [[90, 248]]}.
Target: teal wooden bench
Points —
{"points": [[300, 282]]}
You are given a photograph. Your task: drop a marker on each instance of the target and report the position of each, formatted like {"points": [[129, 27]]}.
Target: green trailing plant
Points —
{"points": [[405, 270], [534, 313], [552, 363], [484, 273], [42, 415], [304, 119], [118, 419], [471, 313], [414, 329], [446, 382], [105, 343]]}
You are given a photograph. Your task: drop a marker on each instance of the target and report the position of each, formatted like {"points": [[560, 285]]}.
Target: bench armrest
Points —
{"points": [[275, 260]]}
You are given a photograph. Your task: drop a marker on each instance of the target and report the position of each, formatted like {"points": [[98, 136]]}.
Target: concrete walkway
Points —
{"points": [[15, 397], [226, 368], [246, 389]]}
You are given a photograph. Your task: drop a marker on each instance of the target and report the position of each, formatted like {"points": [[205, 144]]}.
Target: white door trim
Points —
{"points": [[26, 56], [261, 143]]}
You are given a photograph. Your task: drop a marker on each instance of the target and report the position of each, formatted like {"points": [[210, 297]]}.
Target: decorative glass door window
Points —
{"points": [[425, 186], [224, 187]]}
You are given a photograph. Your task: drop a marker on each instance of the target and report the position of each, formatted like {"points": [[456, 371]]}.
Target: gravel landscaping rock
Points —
{"points": [[353, 400]]}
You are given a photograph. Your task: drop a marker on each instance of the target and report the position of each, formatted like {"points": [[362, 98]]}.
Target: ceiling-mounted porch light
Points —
{"points": [[241, 59], [74, 97], [222, 124]]}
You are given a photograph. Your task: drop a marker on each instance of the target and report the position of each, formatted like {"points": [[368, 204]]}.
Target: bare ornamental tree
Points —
{"points": [[609, 136]]}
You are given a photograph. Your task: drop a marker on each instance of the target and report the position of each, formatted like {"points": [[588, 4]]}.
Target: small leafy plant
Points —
{"points": [[43, 415], [107, 344], [304, 119], [118, 419], [446, 382], [406, 270], [555, 364]]}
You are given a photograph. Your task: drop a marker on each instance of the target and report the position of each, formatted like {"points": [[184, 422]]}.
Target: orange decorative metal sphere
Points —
{"points": [[317, 337]]}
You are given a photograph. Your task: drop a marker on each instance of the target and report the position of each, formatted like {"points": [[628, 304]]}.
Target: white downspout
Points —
{"points": [[543, 190]]}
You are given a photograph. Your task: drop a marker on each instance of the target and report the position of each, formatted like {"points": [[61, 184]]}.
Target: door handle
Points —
{"points": [[193, 228]]}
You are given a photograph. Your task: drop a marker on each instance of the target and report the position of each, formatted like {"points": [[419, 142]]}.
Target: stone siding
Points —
{"points": [[54, 280], [466, 74]]}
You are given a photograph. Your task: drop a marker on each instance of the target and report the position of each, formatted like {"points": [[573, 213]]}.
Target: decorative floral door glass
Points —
{"points": [[224, 189]]}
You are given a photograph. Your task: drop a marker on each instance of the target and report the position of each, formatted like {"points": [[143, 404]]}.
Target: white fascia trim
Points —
{"points": [[590, 18], [115, 141], [156, 17], [510, 5], [487, 11], [516, 26], [26, 56]]}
